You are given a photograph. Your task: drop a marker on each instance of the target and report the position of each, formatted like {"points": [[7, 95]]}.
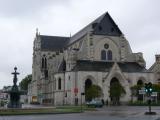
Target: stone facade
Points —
{"points": [[98, 53]]}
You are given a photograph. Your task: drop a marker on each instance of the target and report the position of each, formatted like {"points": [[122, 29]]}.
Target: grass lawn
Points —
{"points": [[83, 108]]}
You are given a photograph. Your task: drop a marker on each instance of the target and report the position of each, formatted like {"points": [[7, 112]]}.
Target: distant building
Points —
{"points": [[63, 67], [3, 96]]}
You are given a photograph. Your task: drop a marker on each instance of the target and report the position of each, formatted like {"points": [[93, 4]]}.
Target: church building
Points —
{"points": [[99, 54]]}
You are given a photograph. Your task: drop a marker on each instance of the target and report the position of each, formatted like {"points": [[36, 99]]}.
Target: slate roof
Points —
{"points": [[103, 25], [53, 43], [155, 68], [107, 26], [131, 67], [86, 65]]}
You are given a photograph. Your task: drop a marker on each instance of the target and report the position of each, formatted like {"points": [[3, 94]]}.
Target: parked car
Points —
{"points": [[95, 103]]}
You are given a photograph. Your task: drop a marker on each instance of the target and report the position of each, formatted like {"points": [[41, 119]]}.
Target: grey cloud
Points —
{"points": [[138, 20], [25, 8]]}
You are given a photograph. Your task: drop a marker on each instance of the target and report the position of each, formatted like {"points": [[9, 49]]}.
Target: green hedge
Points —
{"points": [[141, 103], [35, 103]]}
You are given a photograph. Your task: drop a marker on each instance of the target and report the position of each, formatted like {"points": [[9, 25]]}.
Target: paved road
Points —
{"points": [[107, 113]]}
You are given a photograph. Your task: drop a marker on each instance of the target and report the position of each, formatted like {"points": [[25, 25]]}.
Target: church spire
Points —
{"points": [[37, 32]]}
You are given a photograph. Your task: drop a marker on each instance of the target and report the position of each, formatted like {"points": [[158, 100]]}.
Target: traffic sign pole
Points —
{"points": [[148, 89]]}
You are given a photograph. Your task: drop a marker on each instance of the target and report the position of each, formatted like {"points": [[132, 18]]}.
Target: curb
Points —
{"points": [[40, 113]]}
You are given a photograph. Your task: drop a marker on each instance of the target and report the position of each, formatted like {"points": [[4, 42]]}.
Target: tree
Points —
{"points": [[135, 92], [94, 91], [156, 88], [135, 89], [24, 83], [116, 91]]}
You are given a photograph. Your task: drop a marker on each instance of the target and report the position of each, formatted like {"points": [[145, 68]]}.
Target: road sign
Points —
{"points": [[141, 92], [154, 94], [143, 88]]}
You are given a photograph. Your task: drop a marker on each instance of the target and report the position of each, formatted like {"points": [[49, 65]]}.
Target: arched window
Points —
{"points": [[59, 84], [103, 55], [44, 62], [140, 82], [46, 73], [109, 55], [88, 84]]}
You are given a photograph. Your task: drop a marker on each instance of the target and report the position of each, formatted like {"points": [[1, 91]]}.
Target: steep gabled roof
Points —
{"points": [[53, 43], [107, 26], [87, 65], [103, 25], [155, 68], [131, 67]]}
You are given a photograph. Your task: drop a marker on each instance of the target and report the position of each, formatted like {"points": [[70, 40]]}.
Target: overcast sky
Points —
{"points": [[139, 20]]}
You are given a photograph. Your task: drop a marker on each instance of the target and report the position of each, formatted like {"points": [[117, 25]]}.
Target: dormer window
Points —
{"points": [[100, 28], [112, 29], [94, 25]]}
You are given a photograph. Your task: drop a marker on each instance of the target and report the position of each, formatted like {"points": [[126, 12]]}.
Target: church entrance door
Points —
{"points": [[116, 90], [88, 83]]}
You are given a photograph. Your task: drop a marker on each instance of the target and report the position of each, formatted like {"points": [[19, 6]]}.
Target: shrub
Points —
{"points": [[35, 103]]}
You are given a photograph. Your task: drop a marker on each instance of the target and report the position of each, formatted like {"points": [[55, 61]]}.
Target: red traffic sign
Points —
{"points": [[75, 90]]}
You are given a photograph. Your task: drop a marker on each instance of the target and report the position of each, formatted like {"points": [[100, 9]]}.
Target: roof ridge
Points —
{"points": [[54, 36]]}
